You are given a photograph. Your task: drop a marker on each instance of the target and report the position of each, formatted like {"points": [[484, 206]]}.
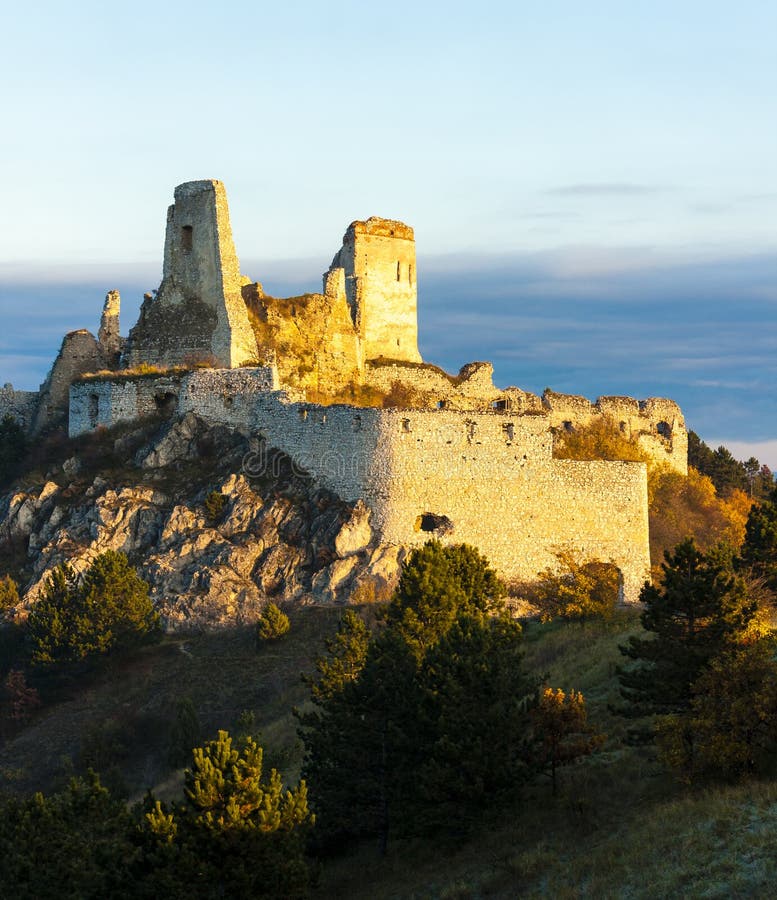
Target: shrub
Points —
{"points": [[215, 504], [578, 591], [9, 595], [13, 447], [272, 624]]}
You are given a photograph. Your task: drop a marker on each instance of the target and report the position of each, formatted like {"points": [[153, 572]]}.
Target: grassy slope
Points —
{"points": [[619, 827], [133, 700]]}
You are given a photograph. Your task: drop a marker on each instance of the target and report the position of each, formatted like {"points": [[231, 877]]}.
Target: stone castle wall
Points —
{"points": [[487, 479], [655, 424], [105, 402]]}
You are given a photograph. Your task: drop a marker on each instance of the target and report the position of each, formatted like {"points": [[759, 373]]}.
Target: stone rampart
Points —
{"points": [[488, 479]]}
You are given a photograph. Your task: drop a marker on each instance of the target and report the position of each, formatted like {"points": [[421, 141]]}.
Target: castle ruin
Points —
{"points": [[336, 381]]}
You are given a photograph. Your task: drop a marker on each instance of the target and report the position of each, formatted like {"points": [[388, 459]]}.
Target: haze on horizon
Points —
{"points": [[593, 188]]}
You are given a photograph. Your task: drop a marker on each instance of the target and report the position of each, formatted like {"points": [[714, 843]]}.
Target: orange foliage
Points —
{"points": [[682, 507]]}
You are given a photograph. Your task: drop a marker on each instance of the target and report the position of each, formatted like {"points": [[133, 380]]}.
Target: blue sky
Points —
{"points": [[593, 186]]}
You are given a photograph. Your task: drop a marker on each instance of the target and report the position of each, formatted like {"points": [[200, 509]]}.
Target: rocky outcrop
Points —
{"points": [[276, 537]]}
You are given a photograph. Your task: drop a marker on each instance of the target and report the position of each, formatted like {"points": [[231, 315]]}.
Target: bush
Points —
{"points": [[578, 591], [214, 506], [9, 595], [82, 618], [185, 733], [272, 624]]}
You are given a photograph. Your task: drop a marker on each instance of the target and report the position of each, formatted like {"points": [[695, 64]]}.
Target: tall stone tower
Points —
{"points": [[376, 269], [198, 313]]}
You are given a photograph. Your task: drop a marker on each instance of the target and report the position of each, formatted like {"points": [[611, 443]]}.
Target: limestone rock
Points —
{"points": [[356, 533]]}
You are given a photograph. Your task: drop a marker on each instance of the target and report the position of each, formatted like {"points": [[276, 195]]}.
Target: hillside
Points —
{"points": [[620, 826]]}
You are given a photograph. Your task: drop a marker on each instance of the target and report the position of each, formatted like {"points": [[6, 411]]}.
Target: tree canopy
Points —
{"points": [[82, 617]]}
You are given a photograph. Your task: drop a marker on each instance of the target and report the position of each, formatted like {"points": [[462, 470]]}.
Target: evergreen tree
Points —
{"points": [[700, 609], [272, 624], [431, 730], [185, 733], [474, 725], [344, 660], [74, 845], [9, 595], [759, 550], [80, 618], [437, 585], [237, 833]]}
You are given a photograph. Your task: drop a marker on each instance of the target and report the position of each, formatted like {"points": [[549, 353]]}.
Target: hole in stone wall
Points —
{"points": [[433, 523], [94, 410], [357, 423], [509, 431], [187, 238], [303, 414], [410, 274], [500, 405], [228, 401], [399, 270], [622, 427], [568, 426], [664, 429], [406, 425], [165, 403], [442, 404]]}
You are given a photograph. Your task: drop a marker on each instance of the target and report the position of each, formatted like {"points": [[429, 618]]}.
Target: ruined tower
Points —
{"points": [[376, 269], [108, 336], [198, 314]]}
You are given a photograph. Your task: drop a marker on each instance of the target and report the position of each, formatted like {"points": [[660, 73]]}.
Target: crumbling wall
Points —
{"points": [[198, 313], [80, 353], [104, 402], [20, 405], [376, 265], [656, 424]]}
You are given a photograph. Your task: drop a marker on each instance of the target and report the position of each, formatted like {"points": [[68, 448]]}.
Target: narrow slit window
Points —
{"points": [[399, 270], [410, 273], [187, 238]]}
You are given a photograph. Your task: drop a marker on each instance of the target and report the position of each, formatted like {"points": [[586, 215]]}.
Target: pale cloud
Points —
{"points": [[606, 189]]}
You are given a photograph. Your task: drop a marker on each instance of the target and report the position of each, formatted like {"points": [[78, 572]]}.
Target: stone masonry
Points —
{"points": [[430, 454], [198, 313]]}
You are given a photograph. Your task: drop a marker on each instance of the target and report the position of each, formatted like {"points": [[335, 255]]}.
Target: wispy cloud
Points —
{"points": [[606, 188]]}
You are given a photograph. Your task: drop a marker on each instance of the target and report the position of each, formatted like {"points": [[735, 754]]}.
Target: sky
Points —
{"points": [[593, 187]]}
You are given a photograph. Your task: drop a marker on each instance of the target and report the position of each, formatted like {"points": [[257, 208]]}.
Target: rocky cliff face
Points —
{"points": [[275, 535]]}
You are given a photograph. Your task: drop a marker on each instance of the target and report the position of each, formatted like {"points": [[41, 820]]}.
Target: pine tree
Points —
{"points": [[185, 733], [80, 618], [272, 624], [237, 833], [9, 595], [437, 585], [344, 660], [700, 609], [759, 550]]}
